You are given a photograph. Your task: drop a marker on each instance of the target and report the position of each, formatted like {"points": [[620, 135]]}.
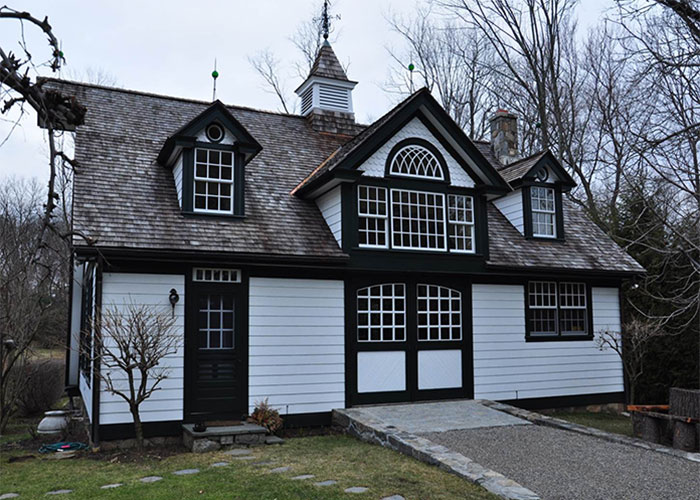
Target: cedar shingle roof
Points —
{"points": [[521, 167], [125, 200], [327, 65]]}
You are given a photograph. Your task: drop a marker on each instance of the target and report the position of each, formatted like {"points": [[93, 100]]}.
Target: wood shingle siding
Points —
{"points": [[296, 344], [506, 367], [119, 290], [511, 206], [330, 206]]}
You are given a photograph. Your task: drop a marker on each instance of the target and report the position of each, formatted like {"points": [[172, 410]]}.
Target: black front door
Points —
{"points": [[216, 353]]}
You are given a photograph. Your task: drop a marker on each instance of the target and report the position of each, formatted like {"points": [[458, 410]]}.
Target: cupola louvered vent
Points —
{"points": [[334, 97], [307, 100]]}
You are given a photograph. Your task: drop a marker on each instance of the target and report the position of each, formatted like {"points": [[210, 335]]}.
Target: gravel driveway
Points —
{"points": [[559, 464]]}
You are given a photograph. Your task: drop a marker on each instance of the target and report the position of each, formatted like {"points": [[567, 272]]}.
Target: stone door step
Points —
{"points": [[214, 438]]}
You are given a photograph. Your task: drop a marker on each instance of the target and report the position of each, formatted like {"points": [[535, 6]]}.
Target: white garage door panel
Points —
{"points": [[381, 371], [440, 369]]}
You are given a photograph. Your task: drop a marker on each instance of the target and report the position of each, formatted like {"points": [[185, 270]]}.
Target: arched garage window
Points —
{"points": [[381, 313], [439, 313]]}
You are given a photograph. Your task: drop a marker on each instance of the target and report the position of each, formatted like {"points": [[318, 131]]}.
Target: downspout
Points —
{"points": [[95, 438]]}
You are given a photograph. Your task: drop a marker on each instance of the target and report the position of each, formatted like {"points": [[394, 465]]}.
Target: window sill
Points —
{"points": [[557, 338]]}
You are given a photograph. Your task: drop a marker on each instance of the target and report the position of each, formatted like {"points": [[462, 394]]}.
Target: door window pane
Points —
{"points": [[215, 320]]}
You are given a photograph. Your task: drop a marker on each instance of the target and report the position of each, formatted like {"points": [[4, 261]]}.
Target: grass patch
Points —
{"points": [[342, 458], [610, 422]]}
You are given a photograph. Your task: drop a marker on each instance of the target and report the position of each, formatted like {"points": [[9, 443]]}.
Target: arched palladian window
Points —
{"points": [[415, 160]]}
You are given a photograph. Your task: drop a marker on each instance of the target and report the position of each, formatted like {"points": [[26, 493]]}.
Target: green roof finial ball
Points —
{"points": [[411, 67], [215, 74]]}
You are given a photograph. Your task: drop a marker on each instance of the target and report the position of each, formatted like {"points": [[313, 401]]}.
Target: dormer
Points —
{"points": [[535, 206], [326, 95], [208, 157]]}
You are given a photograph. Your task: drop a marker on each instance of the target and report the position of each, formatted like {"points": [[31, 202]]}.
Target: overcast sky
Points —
{"points": [[169, 48]]}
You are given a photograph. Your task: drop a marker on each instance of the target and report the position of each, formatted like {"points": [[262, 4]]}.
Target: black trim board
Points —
{"points": [[567, 401]]}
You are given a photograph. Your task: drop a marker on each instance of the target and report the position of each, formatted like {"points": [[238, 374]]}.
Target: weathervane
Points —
{"points": [[326, 19], [214, 75]]}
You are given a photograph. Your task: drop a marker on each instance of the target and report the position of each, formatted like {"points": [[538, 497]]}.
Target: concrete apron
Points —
{"points": [[396, 426]]}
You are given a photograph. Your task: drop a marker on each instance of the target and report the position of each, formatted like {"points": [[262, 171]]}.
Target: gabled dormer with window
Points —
{"points": [[535, 206], [208, 157], [410, 188]]}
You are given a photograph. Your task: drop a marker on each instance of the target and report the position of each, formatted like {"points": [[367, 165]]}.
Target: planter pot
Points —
{"points": [[54, 422]]}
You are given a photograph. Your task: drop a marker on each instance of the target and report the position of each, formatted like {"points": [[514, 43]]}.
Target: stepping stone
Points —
{"points": [[279, 470], [111, 486], [356, 489], [220, 464], [185, 472], [329, 482], [302, 477], [274, 440], [251, 457], [150, 479], [237, 452], [264, 462], [5, 496], [394, 497], [59, 492]]}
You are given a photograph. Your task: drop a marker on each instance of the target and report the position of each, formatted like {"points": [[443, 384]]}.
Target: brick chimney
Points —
{"points": [[504, 136], [326, 95]]}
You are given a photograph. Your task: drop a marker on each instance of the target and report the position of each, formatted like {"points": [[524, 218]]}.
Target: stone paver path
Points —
{"points": [[220, 464], [59, 492], [279, 470], [302, 477], [186, 472], [328, 482], [111, 486], [150, 479], [356, 489], [7, 496]]}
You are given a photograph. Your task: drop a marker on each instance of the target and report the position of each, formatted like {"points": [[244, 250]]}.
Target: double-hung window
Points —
{"points": [[557, 310], [213, 181], [460, 215], [544, 212], [372, 210]]}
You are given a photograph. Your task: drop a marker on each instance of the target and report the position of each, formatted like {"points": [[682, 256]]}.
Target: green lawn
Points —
{"points": [[350, 462], [609, 422]]}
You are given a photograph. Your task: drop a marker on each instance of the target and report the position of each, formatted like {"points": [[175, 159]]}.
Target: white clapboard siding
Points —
{"points": [[511, 205], [177, 174], [375, 165], [507, 367], [330, 207], [296, 344], [118, 291]]}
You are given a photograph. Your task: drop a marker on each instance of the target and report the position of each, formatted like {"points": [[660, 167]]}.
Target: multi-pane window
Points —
{"points": [[460, 216], [381, 313], [557, 309], [372, 210], [543, 212], [417, 220], [416, 161], [215, 275], [439, 313], [215, 322], [572, 308], [213, 181]]}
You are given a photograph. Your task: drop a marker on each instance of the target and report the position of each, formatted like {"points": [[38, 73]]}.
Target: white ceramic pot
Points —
{"points": [[53, 422]]}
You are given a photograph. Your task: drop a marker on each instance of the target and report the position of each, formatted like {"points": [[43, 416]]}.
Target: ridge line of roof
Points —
{"points": [[164, 96], [515, 163]]}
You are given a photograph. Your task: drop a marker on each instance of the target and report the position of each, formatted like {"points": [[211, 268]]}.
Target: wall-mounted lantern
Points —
{"points": [[174, 298]]}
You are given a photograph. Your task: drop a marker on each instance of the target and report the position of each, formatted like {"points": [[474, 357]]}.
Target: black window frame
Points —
{"points": [[558, 336], [558, 208]]}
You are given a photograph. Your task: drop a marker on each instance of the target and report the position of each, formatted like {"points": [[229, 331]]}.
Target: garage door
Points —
{"points": [[409, 340]]}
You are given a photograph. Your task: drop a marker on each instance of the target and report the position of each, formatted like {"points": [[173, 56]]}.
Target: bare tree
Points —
{"points": [[268, 67], [131, 342], [632, 346]]}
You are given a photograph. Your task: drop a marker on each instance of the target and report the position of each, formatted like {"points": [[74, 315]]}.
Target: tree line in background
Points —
{"points": [[619, 106]]}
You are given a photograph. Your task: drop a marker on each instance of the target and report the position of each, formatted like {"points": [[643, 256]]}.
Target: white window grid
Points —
{"points": [[381, 313], [573, 317], [543, 210], [416, 161], [216, 275], [439, 313], [211, 336], [418, 220], [460, 215], [542, 297], [372, 216], [213, 181]]}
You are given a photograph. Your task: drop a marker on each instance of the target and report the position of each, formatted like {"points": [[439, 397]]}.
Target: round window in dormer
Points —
{"points": [[214, 132], [542, 174]]}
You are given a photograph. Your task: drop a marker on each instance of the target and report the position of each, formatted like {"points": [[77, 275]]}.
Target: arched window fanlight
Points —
{"points": [[415, 160]]}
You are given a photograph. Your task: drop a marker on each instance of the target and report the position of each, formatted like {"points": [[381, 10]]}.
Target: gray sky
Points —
{"points": [[169, 48]]}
